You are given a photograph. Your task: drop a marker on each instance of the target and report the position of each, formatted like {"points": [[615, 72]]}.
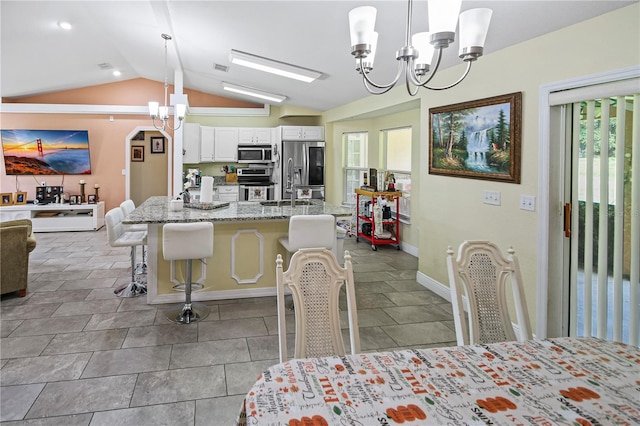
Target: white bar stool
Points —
{"points": [[187, 241], [309, 231], [127, 207], [120, 237]]}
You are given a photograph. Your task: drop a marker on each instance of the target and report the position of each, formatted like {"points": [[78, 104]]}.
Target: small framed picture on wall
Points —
{"points": [[157, 145], [137, 153]]}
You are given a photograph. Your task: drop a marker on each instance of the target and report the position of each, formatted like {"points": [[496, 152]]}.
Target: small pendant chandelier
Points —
{"points": [[414, 59], [156, 111]]}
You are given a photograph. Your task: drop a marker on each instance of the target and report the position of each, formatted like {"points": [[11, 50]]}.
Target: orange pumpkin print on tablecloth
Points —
{"points": [[408, 413], [579, 394], [493, 405], [316, 420]]}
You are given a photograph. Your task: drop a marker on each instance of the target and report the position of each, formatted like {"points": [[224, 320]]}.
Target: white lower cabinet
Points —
{"points": [[227, 193], [57, 217]]}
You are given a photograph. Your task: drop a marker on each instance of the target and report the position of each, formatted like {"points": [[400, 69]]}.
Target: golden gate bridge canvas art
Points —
{"points": [[46, 152]]}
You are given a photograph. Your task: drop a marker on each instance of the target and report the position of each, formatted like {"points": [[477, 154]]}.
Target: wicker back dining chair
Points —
{"points": [[482, 274], [315, 279]]}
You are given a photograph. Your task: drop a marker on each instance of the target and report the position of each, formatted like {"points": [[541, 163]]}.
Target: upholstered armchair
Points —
{"points": [[16, 242]]}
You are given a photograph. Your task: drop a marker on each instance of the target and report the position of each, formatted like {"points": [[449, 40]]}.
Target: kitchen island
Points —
{"points": [[245, 245]]}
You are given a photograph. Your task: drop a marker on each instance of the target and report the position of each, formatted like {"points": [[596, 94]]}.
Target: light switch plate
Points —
{"points": [[491, 197], [528, 202]]}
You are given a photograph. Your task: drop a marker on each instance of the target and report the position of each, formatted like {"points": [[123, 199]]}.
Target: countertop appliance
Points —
{"points": [[255, 154], [255, 183], [302, 164]]}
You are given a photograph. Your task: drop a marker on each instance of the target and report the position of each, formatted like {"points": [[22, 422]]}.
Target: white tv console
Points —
{"points": [[57, 217]]}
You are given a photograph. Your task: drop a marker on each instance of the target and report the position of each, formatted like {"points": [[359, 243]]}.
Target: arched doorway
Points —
{"points": [[149, 154]]}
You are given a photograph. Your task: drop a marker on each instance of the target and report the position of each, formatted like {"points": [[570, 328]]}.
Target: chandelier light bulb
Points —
{"points": [[362, 21], [422, 42], [474, 25]]}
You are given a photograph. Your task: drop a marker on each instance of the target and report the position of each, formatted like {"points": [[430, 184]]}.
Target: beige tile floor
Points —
{"points": [[71, 353]]}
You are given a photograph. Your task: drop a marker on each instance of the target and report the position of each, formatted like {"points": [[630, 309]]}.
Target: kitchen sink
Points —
{"points": [[281, 203]]}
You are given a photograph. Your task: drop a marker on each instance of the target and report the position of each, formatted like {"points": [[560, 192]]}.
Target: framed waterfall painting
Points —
{"points": [[477, 139]]}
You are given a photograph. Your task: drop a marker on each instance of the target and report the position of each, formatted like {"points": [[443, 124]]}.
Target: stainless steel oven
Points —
{"points": [[255, 184], [255, 154]]}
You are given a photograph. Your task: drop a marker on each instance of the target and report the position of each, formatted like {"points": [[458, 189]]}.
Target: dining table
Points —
{"points": [[554, 381]]}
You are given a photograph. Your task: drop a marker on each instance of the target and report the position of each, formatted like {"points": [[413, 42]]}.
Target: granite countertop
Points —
{"points": [[156, 210]]}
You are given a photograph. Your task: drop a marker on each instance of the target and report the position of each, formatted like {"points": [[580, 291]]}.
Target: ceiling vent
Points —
{"points": [[220, 67], [105, 66]]}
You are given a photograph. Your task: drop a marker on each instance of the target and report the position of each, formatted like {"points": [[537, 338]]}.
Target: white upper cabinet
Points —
{"points": [[302, 133], [226, 146], [255, 135], [207, 144], [191, 143]]}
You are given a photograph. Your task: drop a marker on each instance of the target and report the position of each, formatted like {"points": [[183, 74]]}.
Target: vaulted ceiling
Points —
{"points": [[37, 56]]}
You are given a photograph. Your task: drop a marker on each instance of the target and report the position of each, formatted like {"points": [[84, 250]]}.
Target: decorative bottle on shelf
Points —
{"points": [[366, 180], [82, 198]]}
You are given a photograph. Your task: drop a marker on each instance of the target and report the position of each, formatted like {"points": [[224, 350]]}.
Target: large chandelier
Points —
{"points": [[155, 110], [416, 56]]}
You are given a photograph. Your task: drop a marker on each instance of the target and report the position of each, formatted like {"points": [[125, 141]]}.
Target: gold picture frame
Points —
{"points": [[478, 139], [21, 198], [6, 199]]}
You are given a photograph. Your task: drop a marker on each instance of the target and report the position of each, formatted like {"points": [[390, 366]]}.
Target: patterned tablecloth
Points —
{"points": [[564, 381]]}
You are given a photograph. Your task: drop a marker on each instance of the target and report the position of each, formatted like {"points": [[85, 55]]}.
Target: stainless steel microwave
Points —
{"points": [[255, 153]]}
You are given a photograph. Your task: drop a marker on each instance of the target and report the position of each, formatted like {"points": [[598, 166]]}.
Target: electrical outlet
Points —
{"points": [[491, 197], [528, 202]]}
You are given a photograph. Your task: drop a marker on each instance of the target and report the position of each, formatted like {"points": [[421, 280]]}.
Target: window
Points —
{"points": [[354, 162], [396, 159]]}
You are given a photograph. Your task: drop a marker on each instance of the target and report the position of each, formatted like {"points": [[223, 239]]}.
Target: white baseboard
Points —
{"points": [[409, 249], [433, 285]]}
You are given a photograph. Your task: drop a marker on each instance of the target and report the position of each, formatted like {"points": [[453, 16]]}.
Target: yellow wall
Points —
{"points": [[451, 209]]}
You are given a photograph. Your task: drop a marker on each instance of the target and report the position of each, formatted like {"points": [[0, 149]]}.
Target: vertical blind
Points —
{"points": [[605, 237]]}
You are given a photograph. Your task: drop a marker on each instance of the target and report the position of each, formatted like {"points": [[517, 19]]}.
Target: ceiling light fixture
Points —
{"points": [[64, 25], [249, 91], [416, 56], [274, 67], [155, 110]]}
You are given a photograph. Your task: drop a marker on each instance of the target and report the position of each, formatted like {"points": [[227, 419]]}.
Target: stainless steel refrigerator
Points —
{"points": [[302, 165]]}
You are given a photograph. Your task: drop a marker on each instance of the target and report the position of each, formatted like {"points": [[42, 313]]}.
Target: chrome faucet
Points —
{"points": [[293, 194]]}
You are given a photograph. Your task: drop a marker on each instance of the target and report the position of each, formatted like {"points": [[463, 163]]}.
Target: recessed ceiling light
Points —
{"points": [[64, 25], [253, 92], [274, 67], [117, 73]]}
